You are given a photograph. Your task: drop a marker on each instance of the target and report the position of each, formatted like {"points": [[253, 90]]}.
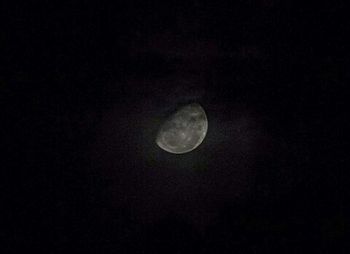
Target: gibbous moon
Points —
{"points": [[183, 131]]}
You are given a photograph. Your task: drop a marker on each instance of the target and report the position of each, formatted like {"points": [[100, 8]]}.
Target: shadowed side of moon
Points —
{"points": [[183, 131]]}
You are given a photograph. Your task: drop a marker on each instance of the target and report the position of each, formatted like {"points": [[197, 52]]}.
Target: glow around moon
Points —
{"points": [[184, 131]]}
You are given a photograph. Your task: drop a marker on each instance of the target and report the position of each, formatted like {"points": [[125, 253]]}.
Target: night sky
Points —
{"points": [[84, 88]]}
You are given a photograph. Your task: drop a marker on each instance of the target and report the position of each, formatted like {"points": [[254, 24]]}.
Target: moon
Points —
{"points": [[183, 131]]}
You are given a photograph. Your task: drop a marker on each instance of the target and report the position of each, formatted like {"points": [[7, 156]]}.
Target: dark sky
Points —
{"points": [[85, 86]]}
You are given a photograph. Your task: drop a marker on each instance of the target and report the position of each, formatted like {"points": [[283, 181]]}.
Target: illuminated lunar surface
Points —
{"points": [[183, 131]]}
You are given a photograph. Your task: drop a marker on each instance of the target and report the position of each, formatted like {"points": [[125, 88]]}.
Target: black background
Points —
{"points": [[85, 86]]}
